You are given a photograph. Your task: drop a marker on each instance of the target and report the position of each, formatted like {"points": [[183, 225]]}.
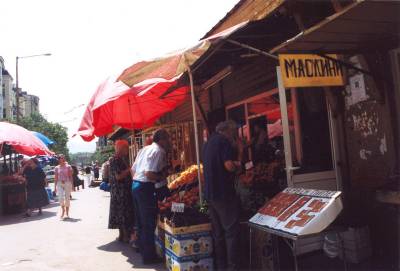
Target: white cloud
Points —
{"points": [[89, 40]]}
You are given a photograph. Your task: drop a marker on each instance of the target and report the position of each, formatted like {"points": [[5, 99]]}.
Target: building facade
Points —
{"points": [[8, 96], [29, 104], [1, 85]]}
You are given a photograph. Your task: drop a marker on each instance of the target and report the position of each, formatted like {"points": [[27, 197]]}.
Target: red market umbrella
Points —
{"points": [[141, 86], [116, 104], [174, 64], [21, 140]]}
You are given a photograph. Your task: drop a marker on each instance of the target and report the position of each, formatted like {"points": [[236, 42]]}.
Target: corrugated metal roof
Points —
{"points": [[245, 10], [361, 25]]}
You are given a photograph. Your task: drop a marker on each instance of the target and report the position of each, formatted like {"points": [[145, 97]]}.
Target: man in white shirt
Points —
{"points": [[147, 171]]}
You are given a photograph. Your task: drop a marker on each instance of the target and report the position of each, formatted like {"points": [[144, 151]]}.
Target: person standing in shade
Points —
{"points": [[96, 171], [63, 185], [105, 171], [147, 172], [35, 186], [220, 165], [122, 216]]}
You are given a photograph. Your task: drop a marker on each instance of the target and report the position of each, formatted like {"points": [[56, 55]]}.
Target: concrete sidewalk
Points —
{"points": [[83, 243]]}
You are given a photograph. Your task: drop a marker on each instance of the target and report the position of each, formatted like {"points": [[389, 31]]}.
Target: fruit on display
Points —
{"points": [[261, 173], [12, 179], [190, 198], [192, 214], [186, 177]]}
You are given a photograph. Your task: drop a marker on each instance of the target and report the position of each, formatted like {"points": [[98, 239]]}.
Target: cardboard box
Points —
{"points": [[357, 244], [160, 249], [309, 244], [159, 234], [198, 263], [189, 229], [189, 244]]}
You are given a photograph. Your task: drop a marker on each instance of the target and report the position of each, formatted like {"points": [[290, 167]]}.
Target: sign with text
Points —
{"points": [[310, 70], [177, 207], [300, 211]]}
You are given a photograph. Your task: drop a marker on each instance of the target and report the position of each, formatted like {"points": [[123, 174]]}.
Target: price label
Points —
{"points": [[178, 207]]}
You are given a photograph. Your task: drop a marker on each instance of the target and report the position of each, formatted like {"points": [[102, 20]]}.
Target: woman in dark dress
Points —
{"points": [[121, 203], [35, 186]]}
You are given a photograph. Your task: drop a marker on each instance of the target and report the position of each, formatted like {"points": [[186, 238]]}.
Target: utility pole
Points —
{"points": [[17, 92]]}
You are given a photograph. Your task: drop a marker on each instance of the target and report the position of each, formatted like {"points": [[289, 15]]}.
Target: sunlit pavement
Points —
{"points": [[81, 243]]}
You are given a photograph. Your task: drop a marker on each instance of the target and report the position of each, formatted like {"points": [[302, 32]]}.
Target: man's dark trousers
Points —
{"points": [[224, 214], [145, 202]]}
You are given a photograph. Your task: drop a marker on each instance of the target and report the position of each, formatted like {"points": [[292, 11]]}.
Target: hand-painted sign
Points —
{"points": [[310, 71]]}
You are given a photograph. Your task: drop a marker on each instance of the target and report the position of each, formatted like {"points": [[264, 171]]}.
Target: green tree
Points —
{"points": [[55, 131], [102, 155]]}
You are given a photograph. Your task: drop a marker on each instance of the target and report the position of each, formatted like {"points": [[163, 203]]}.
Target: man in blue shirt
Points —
{"points": [[220, 165]]}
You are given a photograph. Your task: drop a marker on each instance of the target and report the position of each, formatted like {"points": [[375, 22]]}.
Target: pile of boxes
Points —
{"points": [[185, 248], [357, 244]]}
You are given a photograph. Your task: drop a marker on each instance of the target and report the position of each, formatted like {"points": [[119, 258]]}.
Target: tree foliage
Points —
{"points": [[102, 155], [55, 131]]}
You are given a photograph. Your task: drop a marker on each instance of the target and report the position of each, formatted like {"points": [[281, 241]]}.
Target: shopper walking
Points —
{"points": [[35, 186], [219, 173], [122, 215], [63, 185], [148, 170]]}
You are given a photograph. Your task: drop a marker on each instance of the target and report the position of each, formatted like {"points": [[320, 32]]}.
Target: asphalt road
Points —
{"points": [[82, 243]]}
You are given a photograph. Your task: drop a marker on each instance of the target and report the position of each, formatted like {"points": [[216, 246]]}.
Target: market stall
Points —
{"points": [[182, 152], [15, 140], [12, 184]]}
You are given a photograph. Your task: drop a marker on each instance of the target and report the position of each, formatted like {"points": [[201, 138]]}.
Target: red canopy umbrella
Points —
{"points": [[137, 98], [21, 140], [174, 64], [116, 104]]}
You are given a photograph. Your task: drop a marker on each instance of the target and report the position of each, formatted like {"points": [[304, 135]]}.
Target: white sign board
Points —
{"points": [[300, 211], [177, 207]]}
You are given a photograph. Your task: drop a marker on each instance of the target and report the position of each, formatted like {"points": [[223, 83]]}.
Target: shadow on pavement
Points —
{"points": [[132, 256], [51, 205], [72, 220], [19, 218]]}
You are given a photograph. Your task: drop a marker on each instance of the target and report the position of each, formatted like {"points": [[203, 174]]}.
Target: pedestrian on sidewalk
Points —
{"points": [[148, 170], [63, 185], [35, 186], [96, 171], [75, 176], [122, 215]]}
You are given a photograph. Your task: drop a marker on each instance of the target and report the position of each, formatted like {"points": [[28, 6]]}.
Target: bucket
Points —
{"points": [[331, 245]]}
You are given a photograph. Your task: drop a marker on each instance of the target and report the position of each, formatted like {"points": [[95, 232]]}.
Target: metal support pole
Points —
{"points": [[285, 127], [196, 134], [17, 81], [252, 49]]}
